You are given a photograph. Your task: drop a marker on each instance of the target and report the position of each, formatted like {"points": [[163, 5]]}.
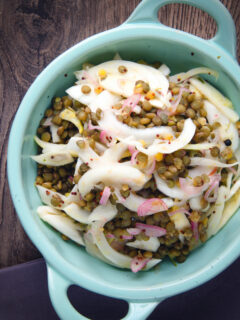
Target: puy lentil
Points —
{"points": [[197, 104], [82, 115], [190, 113], [46, 136], [145, 121], [122, 69], [146, 106], [180, 109], [85, 89], [57, 120], [157, 121], [215, 152]]}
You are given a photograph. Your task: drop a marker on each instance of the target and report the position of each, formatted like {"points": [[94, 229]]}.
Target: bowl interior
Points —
{"points": [[150, 48]]}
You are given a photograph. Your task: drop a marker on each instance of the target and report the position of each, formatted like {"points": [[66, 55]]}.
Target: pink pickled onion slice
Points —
{"points": [[150, 230], [131, 149], [92, 127], [138, 263], [110, 236], [127, 237], [105, 196], [133, 231], [180, 210], [188, 188], [151, 206], [213, 187], [104, 138], [152, 168], [194, 226], [176, 102], [133, 157], [132, 101]]}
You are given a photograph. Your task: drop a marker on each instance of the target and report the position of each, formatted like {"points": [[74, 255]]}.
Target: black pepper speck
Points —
{"points": [[228, 142]]}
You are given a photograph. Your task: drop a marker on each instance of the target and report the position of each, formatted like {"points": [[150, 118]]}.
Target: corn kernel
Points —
{"points": [[102, 74], [159, 156], [98, 90], [168, 137], [150, 95]]}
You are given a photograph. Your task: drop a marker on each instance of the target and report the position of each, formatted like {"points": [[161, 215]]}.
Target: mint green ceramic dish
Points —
{"points": [[141, 36]]}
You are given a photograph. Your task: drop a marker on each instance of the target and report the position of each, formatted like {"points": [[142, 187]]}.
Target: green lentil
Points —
{"points": [[82, 116], [46, 136], [56, 200], [85, 89], [48, 113], [190, 113], [186, 160], [89, 196], [147, 106], [57, 120], [215, 152], [47, 177], [122, 69], [180, 109], [145, 121], [203, 112], [197, 104]]}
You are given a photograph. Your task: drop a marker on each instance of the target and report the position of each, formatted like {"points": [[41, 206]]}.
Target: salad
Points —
{"points": [[138, 165]]}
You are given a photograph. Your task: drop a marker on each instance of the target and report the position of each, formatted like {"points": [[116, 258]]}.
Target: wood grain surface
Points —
{"points": [[32, 34]]}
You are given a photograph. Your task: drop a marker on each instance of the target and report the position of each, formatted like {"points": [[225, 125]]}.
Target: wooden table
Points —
{"points": [[32, 34]]}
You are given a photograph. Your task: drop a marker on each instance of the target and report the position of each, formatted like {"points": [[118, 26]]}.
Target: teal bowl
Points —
{"points": [[141, 36]]}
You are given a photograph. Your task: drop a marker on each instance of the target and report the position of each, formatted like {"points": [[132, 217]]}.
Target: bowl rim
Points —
{"points": [[55, 259]]}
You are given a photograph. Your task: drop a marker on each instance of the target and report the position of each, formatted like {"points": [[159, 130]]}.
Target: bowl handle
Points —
{"points": [[58, 286], [147, 12]]}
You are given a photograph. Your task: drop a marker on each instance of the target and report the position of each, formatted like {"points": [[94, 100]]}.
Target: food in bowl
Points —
{"points": [[137, 165]]}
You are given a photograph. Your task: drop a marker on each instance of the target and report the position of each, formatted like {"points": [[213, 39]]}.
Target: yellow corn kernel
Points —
{"points": [[98, 90], [159, 156], [102, 74], [67, 194], [150, 95]]}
